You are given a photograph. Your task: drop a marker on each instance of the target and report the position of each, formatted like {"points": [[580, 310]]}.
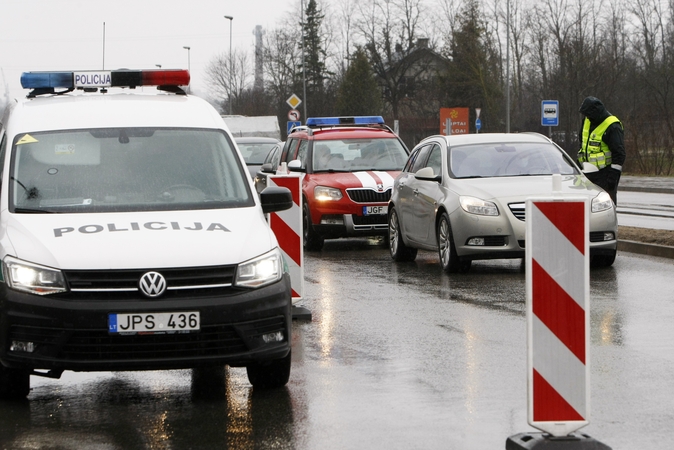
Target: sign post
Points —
{"points": [[293, 115], [454, 121], [550, 114], [478, 122]]}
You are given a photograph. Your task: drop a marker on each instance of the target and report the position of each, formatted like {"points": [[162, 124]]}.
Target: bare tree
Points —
{"points": [[653, 133], [229, 77], [389, 29]]}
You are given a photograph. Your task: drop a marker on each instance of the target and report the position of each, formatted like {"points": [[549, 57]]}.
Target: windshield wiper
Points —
{"points": [[33, 211]]}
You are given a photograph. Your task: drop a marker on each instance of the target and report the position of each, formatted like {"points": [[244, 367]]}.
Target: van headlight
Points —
{"points": [[33, 278], [601, 202], [260, 271], [477, 206]]}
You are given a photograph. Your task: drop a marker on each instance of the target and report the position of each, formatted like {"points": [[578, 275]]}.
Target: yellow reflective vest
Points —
{"points": [[593, 149]]}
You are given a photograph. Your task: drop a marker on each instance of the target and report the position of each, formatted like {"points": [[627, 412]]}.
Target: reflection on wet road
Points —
{"points": [[397, 356]]}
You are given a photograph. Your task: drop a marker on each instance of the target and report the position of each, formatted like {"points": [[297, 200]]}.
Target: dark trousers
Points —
{"points": [[607, 179]]}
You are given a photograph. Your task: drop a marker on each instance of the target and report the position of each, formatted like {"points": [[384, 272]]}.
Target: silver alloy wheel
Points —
{"points": [[444, 241], [393, 232]]}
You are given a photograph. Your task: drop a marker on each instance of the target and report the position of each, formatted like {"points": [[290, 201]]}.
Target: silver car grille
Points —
{"points": [[518, 210]]}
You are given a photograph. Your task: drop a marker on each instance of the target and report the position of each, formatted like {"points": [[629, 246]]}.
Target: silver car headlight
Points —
{"points": [[322, 193], [477, 206], [602, 202], [33, 278], [260, 271]]}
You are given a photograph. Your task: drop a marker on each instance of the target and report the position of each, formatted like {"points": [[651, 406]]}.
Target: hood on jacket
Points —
{"points": [[594, 109]]}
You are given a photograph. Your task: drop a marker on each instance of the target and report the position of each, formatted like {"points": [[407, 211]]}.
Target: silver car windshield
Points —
{"points": [[352, 155], [509, 160], [126, 169]]}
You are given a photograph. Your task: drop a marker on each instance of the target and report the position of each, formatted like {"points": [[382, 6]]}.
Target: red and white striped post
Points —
{"points": [[287, 226], [558, 316]]}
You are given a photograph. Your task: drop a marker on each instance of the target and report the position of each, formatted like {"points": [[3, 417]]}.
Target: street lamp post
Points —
{"points": [[188, 61], [230, 18]]}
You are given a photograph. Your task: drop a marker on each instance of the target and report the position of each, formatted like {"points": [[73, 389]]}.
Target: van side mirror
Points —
{"points": [[275, 198]]}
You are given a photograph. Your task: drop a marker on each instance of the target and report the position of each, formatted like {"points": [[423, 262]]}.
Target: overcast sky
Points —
{"points": [[39, 35]]}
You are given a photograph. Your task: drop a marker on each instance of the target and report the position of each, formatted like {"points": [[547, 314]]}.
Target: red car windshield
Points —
{"points": [[352, 155]]}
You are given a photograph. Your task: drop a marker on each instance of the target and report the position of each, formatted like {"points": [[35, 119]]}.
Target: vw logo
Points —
{"points": [[152, 284]]}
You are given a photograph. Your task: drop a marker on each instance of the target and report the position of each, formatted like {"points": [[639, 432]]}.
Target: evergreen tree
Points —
{"points": [[316, 72], [359, 94], [472, 77]]}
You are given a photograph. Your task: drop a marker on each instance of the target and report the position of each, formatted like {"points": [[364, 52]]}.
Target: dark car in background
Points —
{"points": [[255, 150]]}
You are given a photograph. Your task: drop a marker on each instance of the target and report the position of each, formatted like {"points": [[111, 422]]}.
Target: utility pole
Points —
{"points": [[230, 18], [304, 68], [188, 62]]}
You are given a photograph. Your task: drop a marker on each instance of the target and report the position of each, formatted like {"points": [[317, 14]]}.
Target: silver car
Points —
{"points": [[464, 196]]}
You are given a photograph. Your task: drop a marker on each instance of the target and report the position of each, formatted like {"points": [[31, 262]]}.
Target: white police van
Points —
{"points": [[131, 236]]}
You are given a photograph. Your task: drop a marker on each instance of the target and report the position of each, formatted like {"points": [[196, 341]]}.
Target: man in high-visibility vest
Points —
{"points": [[602, 145]]}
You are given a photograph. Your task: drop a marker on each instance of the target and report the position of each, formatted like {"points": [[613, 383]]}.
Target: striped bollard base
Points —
{"points": [[541, 441]]}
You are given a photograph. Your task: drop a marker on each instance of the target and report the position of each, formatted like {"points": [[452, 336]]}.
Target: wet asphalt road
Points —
{"points": [[398, 356], [646, 210]]}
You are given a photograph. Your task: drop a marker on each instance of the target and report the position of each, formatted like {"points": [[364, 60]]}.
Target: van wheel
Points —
{"points": [[399, 251], [14, 383], [274, 374], [312, 240], [449, 260]]}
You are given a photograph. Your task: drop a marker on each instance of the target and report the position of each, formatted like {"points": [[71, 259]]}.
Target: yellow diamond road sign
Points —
{"points": [[293, 101]]}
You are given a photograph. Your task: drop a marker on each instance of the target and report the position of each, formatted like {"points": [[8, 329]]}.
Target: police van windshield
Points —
{"points": [[126, 169]]}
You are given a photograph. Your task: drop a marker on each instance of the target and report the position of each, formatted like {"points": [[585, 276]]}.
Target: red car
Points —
{"points": [[349, 165]]}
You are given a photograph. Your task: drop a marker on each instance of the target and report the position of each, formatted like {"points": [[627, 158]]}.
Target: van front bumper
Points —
{"points": [[69, 334]]}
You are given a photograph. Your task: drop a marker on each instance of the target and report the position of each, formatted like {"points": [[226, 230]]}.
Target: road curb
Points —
{"points": [[656, 190], [662, 251]]}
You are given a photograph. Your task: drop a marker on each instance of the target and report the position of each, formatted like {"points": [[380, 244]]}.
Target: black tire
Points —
{"points": [[603, 260], [312, 240], [271, 375], [449, 260], [399, 251], [14, 383]]}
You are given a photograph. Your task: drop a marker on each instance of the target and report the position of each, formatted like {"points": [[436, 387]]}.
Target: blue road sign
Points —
{"points": [[550, 113], [292, 124], [478, 124]]}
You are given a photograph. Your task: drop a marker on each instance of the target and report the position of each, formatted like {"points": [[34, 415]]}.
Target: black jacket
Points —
{"points": [[594, 109]]}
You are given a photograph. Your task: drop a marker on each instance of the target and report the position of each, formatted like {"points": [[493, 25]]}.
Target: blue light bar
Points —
{"points": [[356, 120], [104, 78], [37, 80]]}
